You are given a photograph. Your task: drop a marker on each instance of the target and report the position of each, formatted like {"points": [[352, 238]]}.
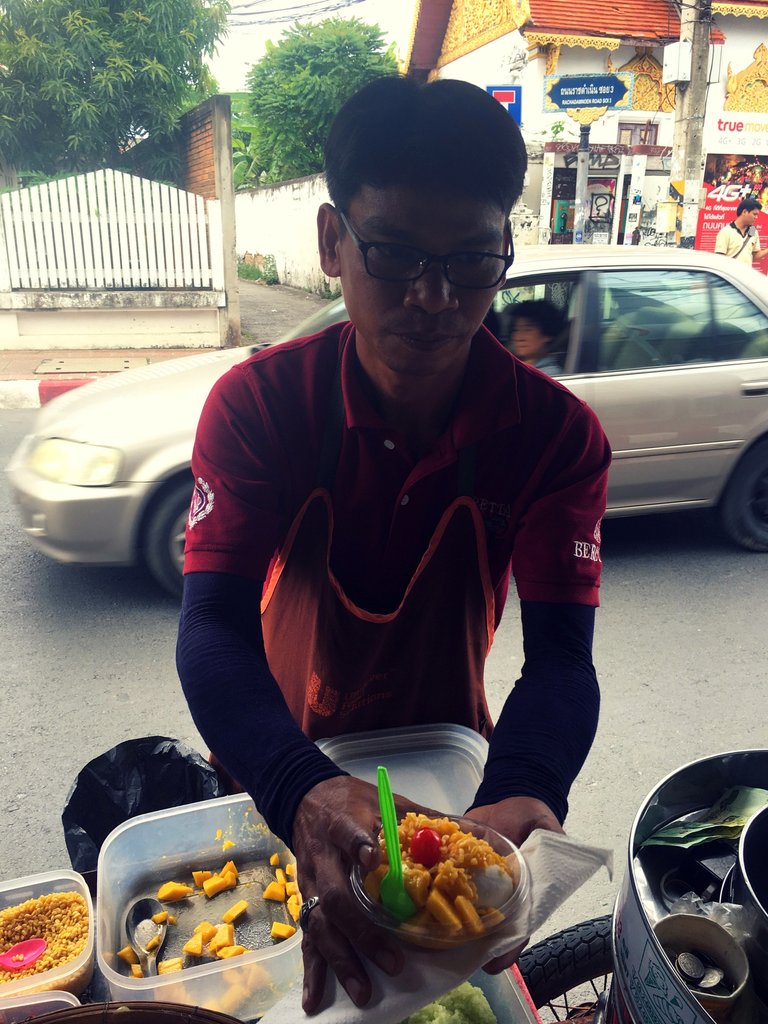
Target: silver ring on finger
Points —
{"points": [[306, 909]]}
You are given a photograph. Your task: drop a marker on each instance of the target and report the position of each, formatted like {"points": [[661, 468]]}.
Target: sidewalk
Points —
{"points": [[29, 379]]}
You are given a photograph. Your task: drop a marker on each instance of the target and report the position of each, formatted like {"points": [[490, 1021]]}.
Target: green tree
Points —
{"points": [[300, 83], [81, 81]]}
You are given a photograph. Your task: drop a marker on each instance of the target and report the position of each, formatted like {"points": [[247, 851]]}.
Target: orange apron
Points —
{"points": [[344, 669]]}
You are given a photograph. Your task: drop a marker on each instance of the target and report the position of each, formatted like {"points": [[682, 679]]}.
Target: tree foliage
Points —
{"points": [[299, 85], [82, 80]]}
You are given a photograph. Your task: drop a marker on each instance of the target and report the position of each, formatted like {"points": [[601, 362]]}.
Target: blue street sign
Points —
{"points": [[511, 96], [573, 91]]}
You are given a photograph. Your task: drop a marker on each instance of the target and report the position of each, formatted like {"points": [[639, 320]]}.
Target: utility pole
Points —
{"points": [[687, 166]]}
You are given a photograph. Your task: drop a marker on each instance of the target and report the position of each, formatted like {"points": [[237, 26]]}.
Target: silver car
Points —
{"points": [[669, 346]]}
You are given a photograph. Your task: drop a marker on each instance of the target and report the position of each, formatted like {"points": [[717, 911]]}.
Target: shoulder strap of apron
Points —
{"points": [[331, 447]]}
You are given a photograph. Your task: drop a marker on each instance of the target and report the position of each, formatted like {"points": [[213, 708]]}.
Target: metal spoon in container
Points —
{"points": [[145, 935]]}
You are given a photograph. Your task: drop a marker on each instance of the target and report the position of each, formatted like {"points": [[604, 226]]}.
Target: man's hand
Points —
{"points": [[516, 817], [333, 829]]}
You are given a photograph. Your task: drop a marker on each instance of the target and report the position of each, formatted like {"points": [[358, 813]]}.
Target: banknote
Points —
{"points": [[725, 819]]}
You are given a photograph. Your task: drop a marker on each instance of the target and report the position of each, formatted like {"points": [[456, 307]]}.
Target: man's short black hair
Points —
{"points": [[748, 205], [541, 312], [445, 134]]}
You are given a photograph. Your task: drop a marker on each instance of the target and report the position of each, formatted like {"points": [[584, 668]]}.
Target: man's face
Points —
{"points": [[529, 342], [423, 327], [749, 217]]}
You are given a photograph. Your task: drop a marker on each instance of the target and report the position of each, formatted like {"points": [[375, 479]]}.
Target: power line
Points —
{"points": [[248, 13]]}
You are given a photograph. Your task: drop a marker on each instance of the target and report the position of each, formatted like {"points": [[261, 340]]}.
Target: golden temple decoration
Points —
{"points": [[473, 23], [748, 89], [561, 39], [553, 56], [609, 65], [740, 10], [586, 115], [650, 92]]}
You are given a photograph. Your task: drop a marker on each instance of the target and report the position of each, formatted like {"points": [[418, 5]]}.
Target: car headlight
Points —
{"points": [[72, 462]]}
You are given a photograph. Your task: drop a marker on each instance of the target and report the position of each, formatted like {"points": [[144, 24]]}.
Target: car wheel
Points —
{"points": [[164, 537], [744, 507]]}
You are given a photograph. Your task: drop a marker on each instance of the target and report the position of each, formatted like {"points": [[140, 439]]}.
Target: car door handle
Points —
{"points": [[755, 389]]}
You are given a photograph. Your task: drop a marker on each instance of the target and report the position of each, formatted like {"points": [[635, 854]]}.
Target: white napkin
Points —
{"points": [[557, 867]]}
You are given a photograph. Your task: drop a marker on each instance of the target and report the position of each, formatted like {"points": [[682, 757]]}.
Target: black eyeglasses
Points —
{"points": [[390, 261]]}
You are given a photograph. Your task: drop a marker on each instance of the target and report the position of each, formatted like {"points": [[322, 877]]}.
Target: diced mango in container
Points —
{"points": [[230, 866], [154, 942], [172, 919], [169, 892], [219, 833], [274, 860], [225, 936], [161, 917], [218, 883], [228, 951], [372, 882], [280, 876], [442, 911], [136, 971], [227, 844], [275, 891], [417, 882], [291, 889], [293, 904], [128, 953], [194, 946], [201, 876], [169, 966], [290, 870], [206, 929], [235, 911], [466, 911], [281, 931]]}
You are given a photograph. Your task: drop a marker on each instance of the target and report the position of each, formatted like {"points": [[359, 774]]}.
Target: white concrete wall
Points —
{"points": [[281, 221]]}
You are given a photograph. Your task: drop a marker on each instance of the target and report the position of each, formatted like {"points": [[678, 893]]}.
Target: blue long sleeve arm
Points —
{"points": [[235, 701], [549, 719]]}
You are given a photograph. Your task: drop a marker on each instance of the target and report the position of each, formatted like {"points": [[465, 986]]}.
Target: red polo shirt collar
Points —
{"points": [[490, 384]]}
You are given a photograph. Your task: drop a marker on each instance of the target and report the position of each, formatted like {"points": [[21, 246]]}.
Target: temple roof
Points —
{"points": [[654, 21]]}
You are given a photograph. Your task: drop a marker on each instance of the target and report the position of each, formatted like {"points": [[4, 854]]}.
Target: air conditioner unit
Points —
{"points": [[677, 62]]}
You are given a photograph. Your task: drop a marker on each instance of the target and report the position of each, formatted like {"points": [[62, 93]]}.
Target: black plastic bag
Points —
{"points": [[135, 777]]}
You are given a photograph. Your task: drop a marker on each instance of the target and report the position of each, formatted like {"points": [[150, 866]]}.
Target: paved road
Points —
{"points": [[88, 661], [267, 312]]}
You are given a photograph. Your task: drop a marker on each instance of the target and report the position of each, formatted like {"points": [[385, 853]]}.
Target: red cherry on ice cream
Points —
{"points": [[425, 847]]}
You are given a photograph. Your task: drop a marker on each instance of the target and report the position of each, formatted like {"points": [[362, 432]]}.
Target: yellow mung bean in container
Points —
{"points": [[61, 918]]}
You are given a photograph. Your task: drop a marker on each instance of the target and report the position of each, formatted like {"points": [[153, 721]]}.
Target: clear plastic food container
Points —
{"points": [[501, 891], [70, 977], [150, 849], [37, 1004]]}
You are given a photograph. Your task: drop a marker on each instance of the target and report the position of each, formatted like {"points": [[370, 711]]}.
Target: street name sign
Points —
{"points": [[572, 92]]}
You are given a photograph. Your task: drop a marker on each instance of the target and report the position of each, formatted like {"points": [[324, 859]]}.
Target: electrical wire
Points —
{"points": [[249, 12]]}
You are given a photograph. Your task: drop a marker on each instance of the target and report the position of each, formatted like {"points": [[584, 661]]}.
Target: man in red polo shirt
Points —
{"points": [[361, 497]]}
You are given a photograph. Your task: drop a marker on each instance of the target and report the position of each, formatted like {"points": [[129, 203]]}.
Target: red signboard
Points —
{"points": [[728, 179]]}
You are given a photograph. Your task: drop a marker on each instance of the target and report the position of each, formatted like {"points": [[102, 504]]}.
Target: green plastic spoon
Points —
{"points": [[393, 892]]}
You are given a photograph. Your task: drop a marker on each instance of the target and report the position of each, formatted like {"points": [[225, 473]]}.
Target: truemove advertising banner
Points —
{"points": [[729, 178]]}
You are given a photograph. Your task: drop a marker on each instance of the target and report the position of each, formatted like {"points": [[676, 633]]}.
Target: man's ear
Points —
{"points": [[328, 239]]}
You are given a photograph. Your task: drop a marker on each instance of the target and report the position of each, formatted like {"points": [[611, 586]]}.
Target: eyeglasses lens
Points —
{"points": [[402, 263]]}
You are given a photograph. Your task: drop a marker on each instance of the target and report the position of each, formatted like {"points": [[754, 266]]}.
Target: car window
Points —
{"points": [[741, 328], [560, 289], [652, 318]]}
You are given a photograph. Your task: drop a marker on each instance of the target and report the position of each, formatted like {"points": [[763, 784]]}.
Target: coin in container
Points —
{"points": [[690, 967], [712, 978]]}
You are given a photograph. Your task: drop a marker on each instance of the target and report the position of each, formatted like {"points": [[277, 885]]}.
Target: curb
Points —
{"points": [[31, 394]]}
